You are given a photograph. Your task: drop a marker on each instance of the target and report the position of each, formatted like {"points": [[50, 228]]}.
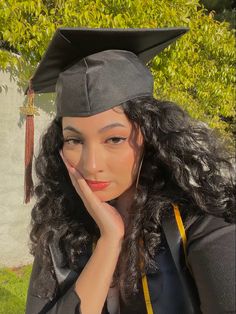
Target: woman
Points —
{"points": [[114, 166]]}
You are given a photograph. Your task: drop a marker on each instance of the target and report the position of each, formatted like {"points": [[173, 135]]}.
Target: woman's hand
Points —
{"points": [[107, 217]]}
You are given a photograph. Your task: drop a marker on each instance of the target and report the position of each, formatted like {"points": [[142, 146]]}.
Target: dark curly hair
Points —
{"points": [[184, 163]]}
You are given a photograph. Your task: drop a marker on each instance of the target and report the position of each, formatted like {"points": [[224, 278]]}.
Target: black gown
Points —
{"points": [[210, 257]]}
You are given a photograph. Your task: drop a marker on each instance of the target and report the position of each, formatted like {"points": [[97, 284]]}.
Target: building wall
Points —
{"points": [[14, 215]]}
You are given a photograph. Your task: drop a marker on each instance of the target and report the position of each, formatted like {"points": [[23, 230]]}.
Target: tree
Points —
{"points": [[197, 72]]}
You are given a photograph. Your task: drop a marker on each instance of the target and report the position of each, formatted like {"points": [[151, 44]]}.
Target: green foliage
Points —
{"points": [[13, 289], [225, 10], [218, 5], [227, 15], [197, 72]]}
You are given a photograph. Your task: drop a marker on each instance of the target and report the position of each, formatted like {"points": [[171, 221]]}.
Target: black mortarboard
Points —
{"points": [[93, 70]]}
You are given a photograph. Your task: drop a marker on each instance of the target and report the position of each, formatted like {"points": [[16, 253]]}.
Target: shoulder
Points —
{"points": [[207, 229], [211, 243], [211, 258]]}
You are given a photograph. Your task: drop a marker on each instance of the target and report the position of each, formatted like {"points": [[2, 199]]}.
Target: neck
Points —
{"points": [[123, 203]]}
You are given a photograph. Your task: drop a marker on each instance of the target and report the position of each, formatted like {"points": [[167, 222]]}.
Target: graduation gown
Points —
{"points": [[205, 285]]}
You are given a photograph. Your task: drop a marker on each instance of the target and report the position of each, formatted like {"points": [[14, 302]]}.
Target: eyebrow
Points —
{"points": [[105, 128]]}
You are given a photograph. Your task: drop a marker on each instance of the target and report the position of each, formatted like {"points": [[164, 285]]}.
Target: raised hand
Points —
{"points": [[107, 217]]}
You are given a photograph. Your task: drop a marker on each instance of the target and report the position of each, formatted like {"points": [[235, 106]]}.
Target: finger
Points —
{"points": [[71, 168], [77, 188], [81, 186], [66, 162], [88, 195], [70, 172], [90, 200], [77, 175]]}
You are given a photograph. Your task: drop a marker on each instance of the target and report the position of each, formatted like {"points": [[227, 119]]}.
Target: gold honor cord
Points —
{"points": [[145, 288], [146, 293], [180, 226]]}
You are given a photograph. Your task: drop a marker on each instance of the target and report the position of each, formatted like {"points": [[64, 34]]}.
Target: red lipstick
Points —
{"points": [[97, 185]]}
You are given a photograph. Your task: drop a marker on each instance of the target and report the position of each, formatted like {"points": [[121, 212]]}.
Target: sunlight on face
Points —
{"points": [[105, 148]]}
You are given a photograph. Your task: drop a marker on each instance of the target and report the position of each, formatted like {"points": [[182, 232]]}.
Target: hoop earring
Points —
{"points": [[139, 170]]}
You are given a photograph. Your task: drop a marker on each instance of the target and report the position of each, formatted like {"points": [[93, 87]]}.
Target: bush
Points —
{"points": [[197, 72]]}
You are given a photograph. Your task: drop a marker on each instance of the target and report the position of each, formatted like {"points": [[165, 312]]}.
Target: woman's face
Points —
{"points": [[106, 149]]}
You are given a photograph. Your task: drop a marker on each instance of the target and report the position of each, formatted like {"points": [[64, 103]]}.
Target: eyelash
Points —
{"points": [[79, 141], [74, 140]]}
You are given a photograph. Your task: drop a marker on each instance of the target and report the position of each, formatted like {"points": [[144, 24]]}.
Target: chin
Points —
{"points": [[106, 197]]}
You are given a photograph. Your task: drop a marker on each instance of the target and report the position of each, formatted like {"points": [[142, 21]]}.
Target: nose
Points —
{"points": [[91, 161]]}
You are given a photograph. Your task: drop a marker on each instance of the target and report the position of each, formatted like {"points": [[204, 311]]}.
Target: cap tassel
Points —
{"points": [[29, 110], [29, 152]]}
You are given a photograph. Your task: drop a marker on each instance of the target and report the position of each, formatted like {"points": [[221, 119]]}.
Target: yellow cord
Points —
{"points": [[180, 225], [144, 277], [184, 240], [147, 295], [145, 287]]}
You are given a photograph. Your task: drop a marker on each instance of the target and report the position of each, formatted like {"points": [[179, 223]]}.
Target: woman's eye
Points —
{"points": [[116, 140], [72, 141]]}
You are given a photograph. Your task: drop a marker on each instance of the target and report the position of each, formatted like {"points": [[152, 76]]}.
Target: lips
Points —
{"points": [[97, 185]]}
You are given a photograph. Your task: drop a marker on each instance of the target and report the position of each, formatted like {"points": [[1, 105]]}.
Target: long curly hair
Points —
{"points": [[184, 163]]}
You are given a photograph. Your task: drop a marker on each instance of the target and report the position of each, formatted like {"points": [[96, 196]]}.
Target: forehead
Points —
{"points": [[113, 115]]}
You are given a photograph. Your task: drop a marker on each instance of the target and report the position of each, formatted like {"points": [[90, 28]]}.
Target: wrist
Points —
{"points": [[111, 242]]}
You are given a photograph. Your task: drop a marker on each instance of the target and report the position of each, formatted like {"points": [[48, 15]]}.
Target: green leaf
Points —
{"points": [[197, 71]]}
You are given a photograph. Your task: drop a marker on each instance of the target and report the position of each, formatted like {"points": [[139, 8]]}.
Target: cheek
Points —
{"points": [[125, 164], [73, 156]]}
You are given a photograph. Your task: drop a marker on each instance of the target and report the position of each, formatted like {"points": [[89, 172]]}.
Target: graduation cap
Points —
{"points": [[93, 70]]}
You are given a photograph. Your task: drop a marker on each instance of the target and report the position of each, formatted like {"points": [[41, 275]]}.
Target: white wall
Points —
{"points": [[14, 215]]}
